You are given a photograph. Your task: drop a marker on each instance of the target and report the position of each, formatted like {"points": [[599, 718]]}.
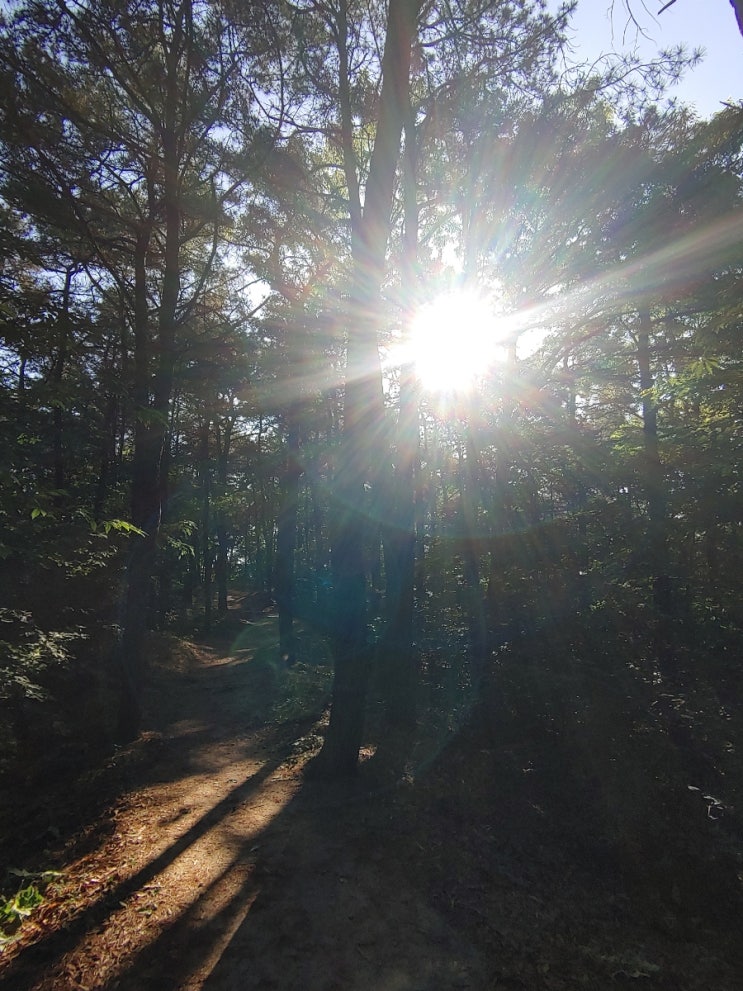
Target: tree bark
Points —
{"points": [[364, 403], [57, 378], [149, 483], [286, 542], [656, 539], [108, 442], [476, 619], [398, 662], [206, 551], [737, 6], [223, 433], [144, 510]]}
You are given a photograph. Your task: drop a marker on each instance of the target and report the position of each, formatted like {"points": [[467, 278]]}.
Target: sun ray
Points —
{"points": [[454, 339]]}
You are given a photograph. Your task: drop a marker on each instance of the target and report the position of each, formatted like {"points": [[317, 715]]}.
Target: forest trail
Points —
{"points": [[209, 871], [206, 862]]}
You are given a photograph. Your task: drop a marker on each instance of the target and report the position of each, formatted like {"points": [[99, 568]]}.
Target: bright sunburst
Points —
{"points": [[454, 339]]}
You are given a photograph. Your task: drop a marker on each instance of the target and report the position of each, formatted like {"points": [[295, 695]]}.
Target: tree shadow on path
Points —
{"points": [[204, 758], [474, 875]]}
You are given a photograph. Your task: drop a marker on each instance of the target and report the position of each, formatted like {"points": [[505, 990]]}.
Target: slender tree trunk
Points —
{"points": [[476, 620], [206, 551], [108, 446], [654, 475], [737, 6], [286, 543], [22, 375], [364, 402], [578, 502], [191, 578], [57, 380], [363, 413], [165, 561], [149, 481], [398, 662], [656, 539], [223, 433], [145, 509], [246, 551], [318, 555]]}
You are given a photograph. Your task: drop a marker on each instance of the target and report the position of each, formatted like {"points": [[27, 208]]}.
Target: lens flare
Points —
{"points": [[454, 340]]}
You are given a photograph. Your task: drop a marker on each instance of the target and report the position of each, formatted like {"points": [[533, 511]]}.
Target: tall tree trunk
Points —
{"points": [[656, 539], [21, 388], [476, 620], [578, 499], [108, 443], [149, 481], [165, 562], [57, 378], [223, 433], [145, 509], [364, 401], [398, 662], [737, 6], [286, 543], [318, 556], [205, 473], [470, 500]]}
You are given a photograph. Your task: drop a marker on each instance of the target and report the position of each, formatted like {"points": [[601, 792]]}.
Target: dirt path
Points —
{"points": [[211, 872], [216, 867], [175, 855]]}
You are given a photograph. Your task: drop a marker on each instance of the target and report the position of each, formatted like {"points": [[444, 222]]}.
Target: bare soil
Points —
{"points": [[201, 859]]}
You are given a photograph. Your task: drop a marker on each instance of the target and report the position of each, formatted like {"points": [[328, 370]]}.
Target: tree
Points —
{"points": [[363, 408], [455, 53], [132, 139], [737, 6]]}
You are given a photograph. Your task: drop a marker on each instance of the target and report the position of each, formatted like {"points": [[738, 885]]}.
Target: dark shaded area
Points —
{"points": [[558, 846]]}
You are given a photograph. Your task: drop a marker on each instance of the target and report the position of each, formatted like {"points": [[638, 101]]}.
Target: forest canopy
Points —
{"points": [[233, 237]]}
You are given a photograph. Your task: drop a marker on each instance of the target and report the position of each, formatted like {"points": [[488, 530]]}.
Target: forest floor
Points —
{"points": [[201, 859]]}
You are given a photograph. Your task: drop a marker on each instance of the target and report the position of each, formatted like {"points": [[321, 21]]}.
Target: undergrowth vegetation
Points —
{"points": [[26, 893]]}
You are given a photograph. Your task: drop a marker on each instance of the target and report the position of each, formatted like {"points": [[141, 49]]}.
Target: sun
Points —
{"points": [[454, 339]]}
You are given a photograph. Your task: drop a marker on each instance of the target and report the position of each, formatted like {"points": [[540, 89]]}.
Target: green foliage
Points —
{"points": [[28, 652], [106, 527], [178, 538], [579, 210], [305, 693], [17, 907]]}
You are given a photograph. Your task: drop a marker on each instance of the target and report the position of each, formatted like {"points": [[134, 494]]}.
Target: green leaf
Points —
{"points": [[121, 526], [15, 909]]}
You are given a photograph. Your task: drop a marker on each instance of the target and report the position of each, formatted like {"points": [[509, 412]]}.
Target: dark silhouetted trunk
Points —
{"points": [[223, 433], [57, 383], [149, 482], [476, 619], [655, 495], [145, 509], [286, 542], [359, 461], [205, 528], [108, 445], [397, 662], [398, 667], [737, 6]]}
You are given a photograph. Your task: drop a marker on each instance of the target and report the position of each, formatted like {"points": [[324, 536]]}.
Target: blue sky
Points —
{"points": [[708, 24]]}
